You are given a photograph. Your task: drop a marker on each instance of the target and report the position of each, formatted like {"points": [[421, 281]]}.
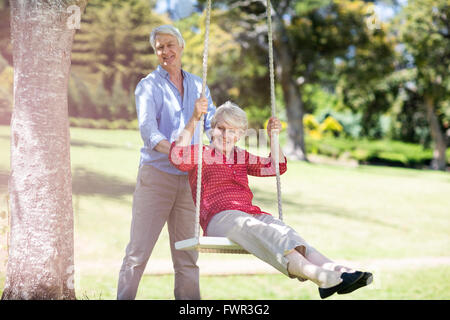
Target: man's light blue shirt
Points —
{"points": [[162, 114]]}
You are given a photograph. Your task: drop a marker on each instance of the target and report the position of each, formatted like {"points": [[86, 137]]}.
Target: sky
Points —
{"points": [[183, 8]]}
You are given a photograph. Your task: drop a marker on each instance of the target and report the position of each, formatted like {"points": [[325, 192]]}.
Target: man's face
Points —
{"points": [[168, 50]]}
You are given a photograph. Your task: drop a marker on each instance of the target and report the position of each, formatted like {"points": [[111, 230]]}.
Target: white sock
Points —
{"points": [[319, 259], [301, 267]]}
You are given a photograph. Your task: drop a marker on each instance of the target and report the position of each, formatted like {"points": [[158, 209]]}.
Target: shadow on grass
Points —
{"points": [[264, 198], [345, 214], [81, 143], [85, 182]]}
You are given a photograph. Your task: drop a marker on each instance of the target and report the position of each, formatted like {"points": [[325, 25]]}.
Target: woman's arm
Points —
{"points": [[274, 127], [265, 166]]}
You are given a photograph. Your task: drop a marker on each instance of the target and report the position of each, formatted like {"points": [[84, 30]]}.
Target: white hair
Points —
{"points": [[166, 29], [232, 114]]}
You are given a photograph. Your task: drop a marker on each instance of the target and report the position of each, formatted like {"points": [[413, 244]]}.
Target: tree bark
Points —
{"points": [[439, 161], [295, 147], [41, 258]]}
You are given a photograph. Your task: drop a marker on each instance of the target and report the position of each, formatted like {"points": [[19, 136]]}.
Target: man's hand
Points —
{"points": [[200, 107], [163, 146]]}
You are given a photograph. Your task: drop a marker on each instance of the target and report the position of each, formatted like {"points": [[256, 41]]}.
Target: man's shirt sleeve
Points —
{"points": [[146, 110]]}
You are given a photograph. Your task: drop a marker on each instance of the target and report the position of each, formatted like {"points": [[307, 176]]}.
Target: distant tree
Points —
{"points": [[6, 72], [223, 54], [310, 38], [424, 29], [5, 31], [114, 41], [363, 74], [41, 257], [111, 52]]}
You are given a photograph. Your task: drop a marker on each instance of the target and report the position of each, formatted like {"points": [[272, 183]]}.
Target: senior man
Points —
{"points": [[165, 102]]}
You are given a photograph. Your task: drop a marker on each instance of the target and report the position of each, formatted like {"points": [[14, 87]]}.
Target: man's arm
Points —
{"points": [[181, 152], [163, 146], [201, 107], [210, 114], [146, 114]]}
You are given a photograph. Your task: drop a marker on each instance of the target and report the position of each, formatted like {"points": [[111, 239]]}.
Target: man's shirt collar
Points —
{"points": [[163, 72]]}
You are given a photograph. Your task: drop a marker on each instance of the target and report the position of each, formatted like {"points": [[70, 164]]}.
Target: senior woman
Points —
{"points": [[227, 209], [165, 101]]}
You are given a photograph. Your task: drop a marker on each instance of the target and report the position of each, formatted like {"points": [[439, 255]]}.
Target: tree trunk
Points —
{"points": [[41, 259], [294, 104], [439, 158]]}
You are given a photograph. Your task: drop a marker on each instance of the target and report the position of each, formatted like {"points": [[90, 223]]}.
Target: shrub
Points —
{"points": [[330, 124], [380, 151]]}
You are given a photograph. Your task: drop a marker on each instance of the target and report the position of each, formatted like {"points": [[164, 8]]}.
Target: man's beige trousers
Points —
{"points": [[160, 197]]}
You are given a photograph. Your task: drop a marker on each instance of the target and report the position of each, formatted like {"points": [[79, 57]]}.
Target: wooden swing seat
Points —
{"points": [[210, 245]]}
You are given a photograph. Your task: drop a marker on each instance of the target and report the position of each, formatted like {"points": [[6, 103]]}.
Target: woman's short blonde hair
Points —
{"points": [[232, 114]]}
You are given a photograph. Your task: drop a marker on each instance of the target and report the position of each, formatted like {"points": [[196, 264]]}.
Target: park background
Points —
{"points": [[365, 74]]}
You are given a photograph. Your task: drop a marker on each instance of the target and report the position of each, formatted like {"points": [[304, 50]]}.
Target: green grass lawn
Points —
{"points": [[367, 212], [424, 283], [394, 285]]}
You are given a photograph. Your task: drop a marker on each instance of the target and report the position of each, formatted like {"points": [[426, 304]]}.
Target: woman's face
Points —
{"points": [[224, 136]]}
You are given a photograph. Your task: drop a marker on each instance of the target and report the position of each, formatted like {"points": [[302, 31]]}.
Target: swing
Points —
{"points": [[223, 244]]}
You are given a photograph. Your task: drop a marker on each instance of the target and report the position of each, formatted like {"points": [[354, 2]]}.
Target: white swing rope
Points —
{"points": [[274, 138], [201, 123]]}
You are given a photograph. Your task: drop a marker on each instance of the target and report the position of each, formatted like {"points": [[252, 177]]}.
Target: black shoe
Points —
{"points": [[366, 279], [348, 280]]}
